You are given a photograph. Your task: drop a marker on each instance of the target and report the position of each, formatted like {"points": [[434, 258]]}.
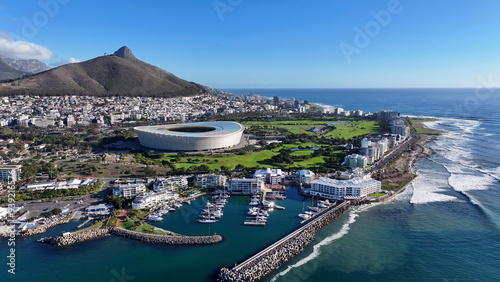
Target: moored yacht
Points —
{"points": [[155, 218], [207, 220], [304, 216], [315, 209]]}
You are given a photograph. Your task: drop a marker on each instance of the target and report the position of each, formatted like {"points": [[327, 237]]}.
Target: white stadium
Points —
{"points": [[196, 136]]}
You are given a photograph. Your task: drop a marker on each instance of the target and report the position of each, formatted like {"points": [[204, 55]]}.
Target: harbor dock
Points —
{"points": [[270, 258]]}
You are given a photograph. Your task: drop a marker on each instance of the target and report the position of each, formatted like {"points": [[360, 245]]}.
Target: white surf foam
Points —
{"points": [[428, 189], [469, 182], [316, 249]]}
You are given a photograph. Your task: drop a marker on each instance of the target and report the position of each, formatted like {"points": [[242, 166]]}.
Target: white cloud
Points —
{"points": [[61, 62], [11, 48]]}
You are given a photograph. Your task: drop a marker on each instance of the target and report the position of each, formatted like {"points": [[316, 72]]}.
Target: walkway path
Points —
{"points": [[120, 218]]}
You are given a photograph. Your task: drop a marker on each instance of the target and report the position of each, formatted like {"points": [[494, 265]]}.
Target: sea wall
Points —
{"points": [[42, 228], [271, 258], [166, 239], [73, 238]]}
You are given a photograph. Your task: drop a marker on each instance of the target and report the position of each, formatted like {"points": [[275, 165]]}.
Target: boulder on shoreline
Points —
{"points": [[72, 238], [166, 239]]}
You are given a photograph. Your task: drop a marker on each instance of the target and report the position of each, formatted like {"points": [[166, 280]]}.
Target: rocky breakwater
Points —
{"points": [[42, 228], [271, 258], [166, 239], [73, 238]]}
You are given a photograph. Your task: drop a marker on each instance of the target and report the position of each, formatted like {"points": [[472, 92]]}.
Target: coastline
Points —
{"points": [[419, 149], [270, 262]]}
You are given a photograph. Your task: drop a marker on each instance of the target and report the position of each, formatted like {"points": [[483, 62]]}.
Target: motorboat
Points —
{"points": [[268, 204], [304, 216], [263, 213], [207, 220], [205, 211], [323, 204], [315, 209], [155, 218], [261, 218], [253, 211], [276, 196], [254, 202], [202, 216], [218, 214]]}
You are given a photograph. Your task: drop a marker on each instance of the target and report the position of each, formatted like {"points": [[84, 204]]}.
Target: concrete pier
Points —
{"points": [[272, 257]]}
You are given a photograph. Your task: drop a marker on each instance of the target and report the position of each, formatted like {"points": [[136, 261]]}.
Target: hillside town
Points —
{"points": [[66, 111]]}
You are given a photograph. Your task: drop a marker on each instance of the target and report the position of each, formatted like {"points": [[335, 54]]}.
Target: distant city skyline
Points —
{"points": [[271, 44]]}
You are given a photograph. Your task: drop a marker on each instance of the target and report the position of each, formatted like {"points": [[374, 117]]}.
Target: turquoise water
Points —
{"points": [[444, 227]]}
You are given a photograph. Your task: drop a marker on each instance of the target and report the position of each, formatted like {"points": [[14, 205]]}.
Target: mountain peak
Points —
{"points": [[125, 53]]}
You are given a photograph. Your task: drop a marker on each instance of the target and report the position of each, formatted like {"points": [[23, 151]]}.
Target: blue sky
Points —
{"points": [[270, 44]]}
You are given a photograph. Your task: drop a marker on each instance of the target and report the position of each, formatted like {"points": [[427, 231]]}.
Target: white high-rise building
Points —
{"points": [[70, 120], [306, 176], [210, 180], [150, 199], [374, 148], [356, 160], [355, 188], [270, 176], [128, 190], [245, 185], [10, 172]]}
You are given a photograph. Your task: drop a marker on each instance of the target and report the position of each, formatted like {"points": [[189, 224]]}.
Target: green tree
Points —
{"points": [[150, 171], [203, 168], [29, 171], [7, 133], [116, 201]]}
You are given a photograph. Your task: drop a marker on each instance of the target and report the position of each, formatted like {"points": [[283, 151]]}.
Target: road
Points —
{"points": [[400, 149]]}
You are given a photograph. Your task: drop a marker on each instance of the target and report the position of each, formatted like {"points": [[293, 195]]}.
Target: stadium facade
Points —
{"points": [[196, 136]]}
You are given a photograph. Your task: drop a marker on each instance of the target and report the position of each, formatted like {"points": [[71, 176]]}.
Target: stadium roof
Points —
{"points": [[195, 129]]}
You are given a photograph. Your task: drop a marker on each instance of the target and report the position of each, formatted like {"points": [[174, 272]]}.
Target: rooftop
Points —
{"points": [[202, 129], [358, 181]]}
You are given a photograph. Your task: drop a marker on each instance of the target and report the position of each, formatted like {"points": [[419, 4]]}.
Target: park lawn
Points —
{"points": [[146, 228], [302, 153], [285, 122], [293, 126], [353, 128], [347, 129], [228, 160], [316, 161], [420, 127], [296, 145], [128, 224], [378, 194]]}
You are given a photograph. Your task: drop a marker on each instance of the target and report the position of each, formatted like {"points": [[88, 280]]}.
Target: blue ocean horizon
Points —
{"points": [[432, 102]]}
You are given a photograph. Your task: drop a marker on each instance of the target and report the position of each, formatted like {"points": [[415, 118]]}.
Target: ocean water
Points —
{"points": [[444, 227]]}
